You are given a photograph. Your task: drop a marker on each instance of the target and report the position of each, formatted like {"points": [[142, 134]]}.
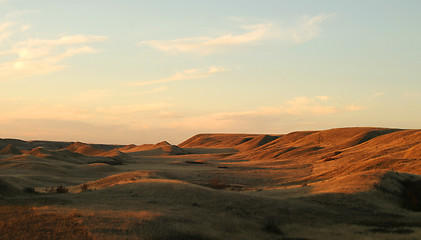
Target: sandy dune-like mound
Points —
{"points": [[299, 144], [256, 142], [114, 153], [61, 155], [85, 149], [51, 145], [225, 143], [116, 156], [169, 148], [161, 148], [10, 149], [40, 152], [118, 179], [127, 148], [28, 145], [19, 144], [217, 140], [113, 156], [342, 137]]}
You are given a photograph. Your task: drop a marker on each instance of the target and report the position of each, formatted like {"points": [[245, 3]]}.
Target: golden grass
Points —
{"points": [[293, 186], [27, 223]]}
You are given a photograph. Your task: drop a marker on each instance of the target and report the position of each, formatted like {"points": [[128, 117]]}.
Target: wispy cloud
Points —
{"points": [[91, 95], [294, 107], [411, 94], [154, 90], [207, 45], [170, 114], [304, 30], [378, 94], [196, 73], [52, 111], [69, 111], [5, 30], [306, 105], [131, 109], [299, 107], [35, 56], [324, 98], [353, 107], [11, 99]]}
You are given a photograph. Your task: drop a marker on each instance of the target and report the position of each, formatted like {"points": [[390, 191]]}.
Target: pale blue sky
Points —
{"points": [[145, 71]]}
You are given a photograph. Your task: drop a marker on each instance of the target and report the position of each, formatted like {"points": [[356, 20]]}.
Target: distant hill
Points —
{"points": [[10, 149]]}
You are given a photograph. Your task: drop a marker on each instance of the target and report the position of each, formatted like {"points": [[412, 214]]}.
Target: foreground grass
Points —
{"points": [[18, 222]]}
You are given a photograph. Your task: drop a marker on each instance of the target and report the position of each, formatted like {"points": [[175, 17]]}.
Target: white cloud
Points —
{"points": [[65, 40], [196, 73], [306, 29], [9, 28], [36, 56], [206, 45]]}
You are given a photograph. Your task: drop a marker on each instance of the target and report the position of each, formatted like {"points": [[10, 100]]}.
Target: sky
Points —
{"points": [[122, 72]]}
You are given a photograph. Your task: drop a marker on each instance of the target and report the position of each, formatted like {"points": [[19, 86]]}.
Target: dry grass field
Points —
{"points": [[349, 183]]}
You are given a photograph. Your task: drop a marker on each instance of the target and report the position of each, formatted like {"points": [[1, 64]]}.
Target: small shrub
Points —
{"points": [[271, 226], [84, 187], [29, 190], [411, 195], [62, 189], [194, 162], [217, 183]]}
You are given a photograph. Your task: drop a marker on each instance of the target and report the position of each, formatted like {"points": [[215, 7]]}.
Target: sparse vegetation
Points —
{"points": [[195, 162], [50, 190], [217, 183], [164, 196], [59, 189], [29, 190], [62, 189], [271, 226], [84, 187], [411, 195]]}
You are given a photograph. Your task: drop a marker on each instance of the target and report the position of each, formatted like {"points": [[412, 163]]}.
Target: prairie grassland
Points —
{"points": [[348, 183]]}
